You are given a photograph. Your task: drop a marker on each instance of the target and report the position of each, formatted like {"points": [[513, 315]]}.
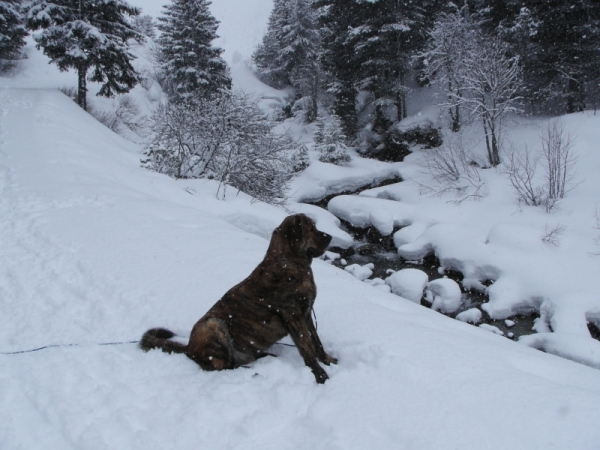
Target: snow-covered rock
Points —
{"points": [[472, 315], [408, 283], [408, 234], [360, 272], [383, 220], [444, 295]]}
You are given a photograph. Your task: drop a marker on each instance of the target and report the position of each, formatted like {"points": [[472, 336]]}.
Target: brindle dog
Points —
{"points": [[274, 301]]}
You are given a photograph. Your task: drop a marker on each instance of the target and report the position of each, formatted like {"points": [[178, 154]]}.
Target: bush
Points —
{"points": [[558, 160], [226, 138], [124, 115]]}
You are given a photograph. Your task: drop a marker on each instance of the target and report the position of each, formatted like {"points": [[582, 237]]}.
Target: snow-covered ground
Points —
{"points": [[95, 249]]}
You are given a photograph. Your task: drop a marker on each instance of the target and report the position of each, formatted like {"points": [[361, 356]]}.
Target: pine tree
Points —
{"points": [[12, 30], [329, 142], [288, 55], [338, 57], [269, 49], [87, 35], [558, 43], [191, 65], [384, 44]]}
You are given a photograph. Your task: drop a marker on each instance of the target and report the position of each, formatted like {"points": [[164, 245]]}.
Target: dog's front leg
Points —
{"points": [[321, 354], [304, 342]]}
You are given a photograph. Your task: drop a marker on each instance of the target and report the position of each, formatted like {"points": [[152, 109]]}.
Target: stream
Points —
{"points": [[371, 247]]}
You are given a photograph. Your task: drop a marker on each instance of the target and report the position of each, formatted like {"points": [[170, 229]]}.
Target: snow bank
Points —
{"points": [[96, 249], [360, 272], [472, 315], [408, 283], [358, 210], [444, 295]]}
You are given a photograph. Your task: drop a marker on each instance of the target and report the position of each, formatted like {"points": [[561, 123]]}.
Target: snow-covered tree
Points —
{"points": [[225, 137], [12, 29], [145, 25], [329, 141], [558, 43], [289, 54], [492, 81], [443, 57], [87, 35], [191, 66]]}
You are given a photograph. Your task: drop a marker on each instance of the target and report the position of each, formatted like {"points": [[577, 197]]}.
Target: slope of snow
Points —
{"points": [[96, 249]]}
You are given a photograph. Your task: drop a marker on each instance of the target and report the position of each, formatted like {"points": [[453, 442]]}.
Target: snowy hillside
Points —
{"points": [[96, 250]]}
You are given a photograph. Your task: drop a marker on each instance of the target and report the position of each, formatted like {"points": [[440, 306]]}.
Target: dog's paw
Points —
{"points": [[327, 360], [320, 375]]}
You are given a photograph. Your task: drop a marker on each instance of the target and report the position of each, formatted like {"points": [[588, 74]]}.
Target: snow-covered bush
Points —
{"points": [[299, 158], [125, 114], [227, 138], [453, 170], [558, 160], [329, 141]]}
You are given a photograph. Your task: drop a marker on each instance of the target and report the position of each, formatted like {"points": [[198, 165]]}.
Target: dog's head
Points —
{"points": [[299, 235]]}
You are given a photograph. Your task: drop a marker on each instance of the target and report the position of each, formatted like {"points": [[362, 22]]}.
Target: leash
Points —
{"points": [[45, 347], [66, 345]]}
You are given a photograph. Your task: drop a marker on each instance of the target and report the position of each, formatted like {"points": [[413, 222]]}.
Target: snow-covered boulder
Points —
{"points": [[408, 234], [408, 283], [444, 295], [472, 315], [383, 220], [360, 272]]}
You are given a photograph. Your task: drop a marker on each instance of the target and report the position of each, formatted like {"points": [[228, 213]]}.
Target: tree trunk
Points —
{"points": [[81, 87], [345, 108], [575, 101]]}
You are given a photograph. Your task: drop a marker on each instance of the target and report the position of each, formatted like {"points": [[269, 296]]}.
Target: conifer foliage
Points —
{"points": [[191, 66], [87, 35], [12, 29], [289, 54], [329, 141]]}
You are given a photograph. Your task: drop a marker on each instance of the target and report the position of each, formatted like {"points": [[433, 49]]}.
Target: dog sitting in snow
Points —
{"points": [[274, 301]]}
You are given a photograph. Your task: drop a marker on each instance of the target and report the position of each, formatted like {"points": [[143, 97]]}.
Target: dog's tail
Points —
{"points": [[161, 338]]}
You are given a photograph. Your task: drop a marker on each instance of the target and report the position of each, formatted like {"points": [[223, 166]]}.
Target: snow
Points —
{"points": [[360, 272], [383, 220], [491, 329], [472, 315], [408, 283], [96, 249], [444, 295]]}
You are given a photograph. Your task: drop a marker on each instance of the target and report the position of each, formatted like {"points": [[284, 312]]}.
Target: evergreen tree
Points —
{"points": [[191, 66], [12, 30], [329, 142], [267, 52], [87, 35], [384, 43], [288, 55], [559, 46], [338, 57]]}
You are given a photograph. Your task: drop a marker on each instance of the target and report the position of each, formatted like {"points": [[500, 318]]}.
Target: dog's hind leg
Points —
{"points": [[212, 348]]}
